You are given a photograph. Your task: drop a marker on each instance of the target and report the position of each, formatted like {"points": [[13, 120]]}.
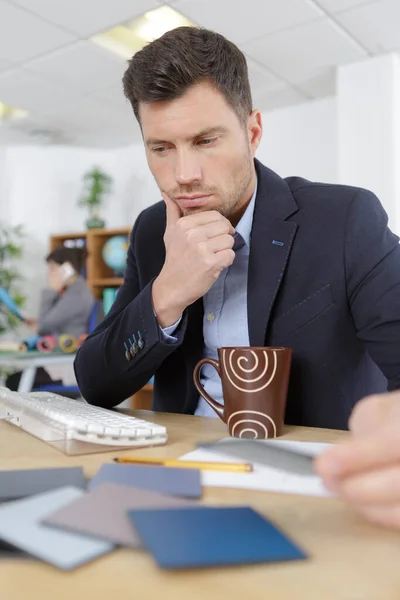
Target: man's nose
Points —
{"points": [[188, 170]]}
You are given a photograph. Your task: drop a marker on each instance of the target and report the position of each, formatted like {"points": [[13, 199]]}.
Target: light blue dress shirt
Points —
{"points": [[225, 311]]}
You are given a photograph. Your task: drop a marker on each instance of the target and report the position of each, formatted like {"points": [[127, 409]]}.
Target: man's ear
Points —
{"points": [[255, 130]]}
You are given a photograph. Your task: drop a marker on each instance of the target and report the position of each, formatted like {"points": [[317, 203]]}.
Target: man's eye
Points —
{"points": [[159, 149], [206, 141]]}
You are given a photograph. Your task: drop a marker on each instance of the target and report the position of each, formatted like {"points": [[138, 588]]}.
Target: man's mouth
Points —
{"points": [[193, 200]]}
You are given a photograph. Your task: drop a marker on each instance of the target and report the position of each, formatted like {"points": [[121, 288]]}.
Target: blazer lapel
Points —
{"points": [[271, 243]]}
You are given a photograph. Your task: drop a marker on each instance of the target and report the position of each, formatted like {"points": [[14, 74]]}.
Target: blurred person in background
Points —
{"points": [[65, 304]]}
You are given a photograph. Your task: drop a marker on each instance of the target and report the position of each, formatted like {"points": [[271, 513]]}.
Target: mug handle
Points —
{"points": [[219, 408]]}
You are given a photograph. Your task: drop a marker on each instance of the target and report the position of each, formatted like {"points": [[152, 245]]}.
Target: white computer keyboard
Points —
{"points": [[53, 418]]}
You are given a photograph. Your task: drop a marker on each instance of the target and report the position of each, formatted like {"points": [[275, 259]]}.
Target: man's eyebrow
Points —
{"points": [[203, 133], [210, 131]]}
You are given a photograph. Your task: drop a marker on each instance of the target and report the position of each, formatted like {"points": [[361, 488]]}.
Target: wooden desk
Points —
{"points": [[350, 559]]}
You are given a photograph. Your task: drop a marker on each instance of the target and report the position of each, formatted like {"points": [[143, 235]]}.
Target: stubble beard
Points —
{"points": [[234, 197]]}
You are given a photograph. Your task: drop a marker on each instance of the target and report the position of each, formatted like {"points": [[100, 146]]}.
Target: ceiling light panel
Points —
{"points": [[127, 39], [10, 113]]}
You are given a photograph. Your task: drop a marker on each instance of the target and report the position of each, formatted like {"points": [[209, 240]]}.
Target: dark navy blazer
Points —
{"points": [[330, 290]]}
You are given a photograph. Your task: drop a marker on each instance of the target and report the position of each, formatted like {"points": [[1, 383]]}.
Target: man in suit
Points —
{"points": [[236, 255]]}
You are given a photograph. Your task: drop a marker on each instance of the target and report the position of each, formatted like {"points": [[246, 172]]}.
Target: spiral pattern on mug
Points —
{"points": [[250, 421], [241, 369]]}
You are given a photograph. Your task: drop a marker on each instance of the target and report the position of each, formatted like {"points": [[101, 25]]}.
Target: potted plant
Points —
{"points": [[10, 252], [96, 185]]}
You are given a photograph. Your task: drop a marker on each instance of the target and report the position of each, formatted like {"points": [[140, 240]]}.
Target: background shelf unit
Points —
{"points": [[100, 276]]}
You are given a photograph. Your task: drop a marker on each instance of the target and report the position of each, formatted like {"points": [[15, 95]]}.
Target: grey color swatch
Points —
{"points": [[166, 480], [21, 526], [103, 512], [27, 482]]}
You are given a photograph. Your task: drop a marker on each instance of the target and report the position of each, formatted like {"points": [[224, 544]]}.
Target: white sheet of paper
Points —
{"points": [[264, 478]]}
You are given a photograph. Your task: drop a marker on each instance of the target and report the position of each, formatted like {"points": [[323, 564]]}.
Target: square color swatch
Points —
{"points": [[209, 537]]}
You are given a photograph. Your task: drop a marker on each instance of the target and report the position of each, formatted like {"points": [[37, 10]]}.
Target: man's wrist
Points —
{"points": [[166, 309]]}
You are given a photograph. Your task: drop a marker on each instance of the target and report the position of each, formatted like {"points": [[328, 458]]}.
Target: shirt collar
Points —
{"points": [[243, 228]]}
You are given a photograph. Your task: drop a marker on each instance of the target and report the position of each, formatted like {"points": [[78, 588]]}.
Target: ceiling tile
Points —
{"points": [[5, 64], [260, 77], [282, 95], [112, 138], [24, 90], [88, 17], [24, 36], [9, 136], [90, 114], [376, 25], [82, 67], [305, 52], [335, 6], [94, 122], [115, 100], [249, 19], [39, 129], [320, 86]]}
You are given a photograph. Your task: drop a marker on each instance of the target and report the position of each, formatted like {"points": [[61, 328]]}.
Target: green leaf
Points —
{"points": [[96, 185], [10, 255]]}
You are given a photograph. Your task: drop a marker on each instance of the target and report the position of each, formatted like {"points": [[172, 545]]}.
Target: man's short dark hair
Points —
{"points": [[167, 67]]}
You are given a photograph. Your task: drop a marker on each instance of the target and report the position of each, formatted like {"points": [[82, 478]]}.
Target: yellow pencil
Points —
{"points": [[187, 464]]}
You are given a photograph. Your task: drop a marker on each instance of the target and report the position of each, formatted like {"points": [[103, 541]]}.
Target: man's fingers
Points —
{"points": [[387, 516], [360, 454], [205, 218], [373, 487], [173, 210], [224, 259], [196, 220], [372, 413], [222, 242], [214, 229]]}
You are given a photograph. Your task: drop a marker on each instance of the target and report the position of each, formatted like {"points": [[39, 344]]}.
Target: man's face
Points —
{"points": [[199, 152]]}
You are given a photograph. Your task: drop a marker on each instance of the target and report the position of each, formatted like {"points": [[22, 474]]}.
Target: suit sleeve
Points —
{"points": [[372, 259], [104, 374]]}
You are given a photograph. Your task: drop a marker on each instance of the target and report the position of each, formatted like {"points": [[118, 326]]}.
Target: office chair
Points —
{"points": [[73, 391]]}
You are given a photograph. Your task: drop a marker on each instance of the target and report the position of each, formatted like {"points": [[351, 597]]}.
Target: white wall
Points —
{"points": [[301, 140], [135, 187], [3, 184], [369, 129]]}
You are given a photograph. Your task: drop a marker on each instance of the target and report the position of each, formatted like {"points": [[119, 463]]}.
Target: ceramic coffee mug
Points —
{"points": [[254, 385]]}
